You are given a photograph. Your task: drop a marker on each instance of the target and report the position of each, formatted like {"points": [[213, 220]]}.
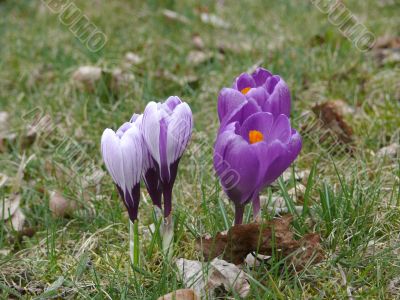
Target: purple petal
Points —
{"points": [[179, 132], [151, 130], [237, 166], [112, 156], [241, 113], [260, 121], [229, 100], [281, 129], [260, 76], [259, 94], [123, 128], [173, 102], [279, 100], [244, 81]]}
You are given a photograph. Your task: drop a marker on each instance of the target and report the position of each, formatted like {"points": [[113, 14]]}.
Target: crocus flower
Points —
{"points": [[167, 128], [122, 155], [264, 91], [250, 155]]}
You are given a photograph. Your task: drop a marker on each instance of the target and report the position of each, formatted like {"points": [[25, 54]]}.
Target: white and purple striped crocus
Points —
{"points": [[122, 153], [255, 143], [167, 128]]}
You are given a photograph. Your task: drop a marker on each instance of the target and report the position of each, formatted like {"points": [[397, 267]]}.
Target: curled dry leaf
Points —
{"points": [[391, 151], [330, 114], [86, 77], [261, 238], [197, 57], [61, 207], [9, 206], [214, 20], [132, 59], [174, 16], [205, 278], [182, 294], [197, 42], [18, 220], [387, 50]]}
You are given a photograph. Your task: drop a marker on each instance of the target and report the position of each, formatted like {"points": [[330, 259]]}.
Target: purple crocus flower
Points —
{"points": [[260, 91], [250, 155], [122, 155], [167, 129]]}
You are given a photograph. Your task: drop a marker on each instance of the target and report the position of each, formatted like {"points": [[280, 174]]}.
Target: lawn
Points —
{"points": [[149, 50]]}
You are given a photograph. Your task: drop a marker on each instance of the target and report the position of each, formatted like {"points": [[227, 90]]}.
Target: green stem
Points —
{"points": [[134, 242]]}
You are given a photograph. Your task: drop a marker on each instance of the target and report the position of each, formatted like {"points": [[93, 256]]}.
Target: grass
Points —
{"points": [[353, 201]]}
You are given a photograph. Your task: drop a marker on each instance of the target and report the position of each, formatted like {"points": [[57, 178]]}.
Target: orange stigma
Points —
{"points": [[245, 90], [255, 136]]}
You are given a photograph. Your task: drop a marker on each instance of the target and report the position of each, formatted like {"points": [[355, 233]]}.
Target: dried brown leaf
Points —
{"points": [[9, 206], [183, 294], [260, 238], [60, 206], [18, 220], [174, 16], [331, 116]]}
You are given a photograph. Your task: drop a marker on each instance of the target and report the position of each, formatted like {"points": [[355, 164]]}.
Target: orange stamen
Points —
{"points": [[255, 136], [245, 90]]}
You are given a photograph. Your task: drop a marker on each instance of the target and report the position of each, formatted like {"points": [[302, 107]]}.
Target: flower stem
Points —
{"points": [[167, 232], [239, 210], [134, 242], [256, 208]]}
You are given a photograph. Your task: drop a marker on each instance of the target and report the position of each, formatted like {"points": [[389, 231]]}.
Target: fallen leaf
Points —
{"points": [[263, 238], [214, 20], [394, 286], [197, 42], [197, 57], [332, 118], [9, 206], [61, 207], [387, 50], [183, 294], [174, 16], [86, 77], [392, 151], [205, 278], [18, 220], [120, 79], [132, 59]]}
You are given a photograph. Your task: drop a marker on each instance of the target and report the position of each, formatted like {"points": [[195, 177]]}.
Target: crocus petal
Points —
{"points": [[123, 159], [241, 113], [151, 130], [112, 156], [173, 102], [131, 150], [236, 164], [123, 128], [260, 76], [259, 94], [244, 81], [179, 132], [279, 100], [260, 121], [281, 129], [229, 100]]}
